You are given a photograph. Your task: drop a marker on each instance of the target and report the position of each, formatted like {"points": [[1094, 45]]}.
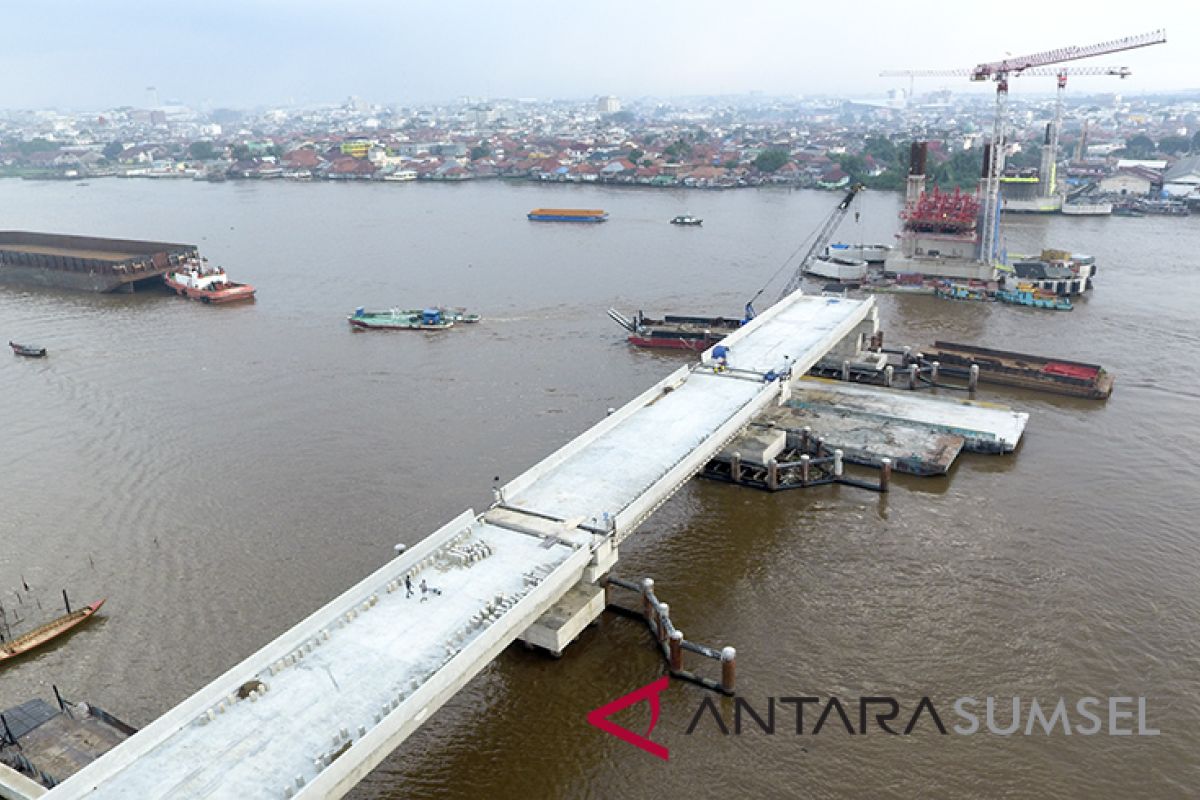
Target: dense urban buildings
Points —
{"points": [[1143, 146]]}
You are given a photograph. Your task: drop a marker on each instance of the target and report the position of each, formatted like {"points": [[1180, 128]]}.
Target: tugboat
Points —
{"points": [[195, 279], [397, 319], [687, 219]]}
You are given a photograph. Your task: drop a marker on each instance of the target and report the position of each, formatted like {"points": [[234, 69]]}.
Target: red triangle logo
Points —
{"points": [[650, 693]]}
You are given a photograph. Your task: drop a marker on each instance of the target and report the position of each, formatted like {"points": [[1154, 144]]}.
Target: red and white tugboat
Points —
{"points": [[197, 280]]}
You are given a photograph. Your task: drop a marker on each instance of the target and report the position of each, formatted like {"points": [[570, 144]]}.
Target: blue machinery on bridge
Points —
{"points": [[311, 713]]}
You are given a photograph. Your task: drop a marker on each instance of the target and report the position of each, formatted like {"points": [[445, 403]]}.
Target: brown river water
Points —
{"points": [[219, 473]]}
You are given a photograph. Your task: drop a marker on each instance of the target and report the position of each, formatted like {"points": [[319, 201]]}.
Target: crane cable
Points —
{"points": [[786, 261]]}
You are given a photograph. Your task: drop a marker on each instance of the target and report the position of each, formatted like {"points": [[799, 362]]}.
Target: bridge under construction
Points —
{"points": [[311, 713]]}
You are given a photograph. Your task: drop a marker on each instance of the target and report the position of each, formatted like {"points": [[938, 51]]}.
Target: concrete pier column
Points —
{"points": [[728, 670], [885, 474], [888, 374], [676, 651], [804, 459], [973, 378], [837, 463], [773, 475]]}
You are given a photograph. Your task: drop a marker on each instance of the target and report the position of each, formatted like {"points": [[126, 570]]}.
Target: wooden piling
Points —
{"points": [[773, 475], [735, 468], [913, 369], [805, 436], [888, 374], [647, 593], [885, 474], [837, 463], [973, 378], [804, 466], [676, 651], [728, 670], [661, 629], [933, 370], [846, 370]]}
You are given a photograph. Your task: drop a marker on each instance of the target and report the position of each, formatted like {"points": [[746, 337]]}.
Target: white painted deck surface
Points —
{"points": [[619, 465], [367, 669], [397, 655], [801, 326], [629, 463], [986, 422]]}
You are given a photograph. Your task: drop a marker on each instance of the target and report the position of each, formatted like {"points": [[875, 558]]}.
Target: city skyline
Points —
{"points": [[301, 53]]}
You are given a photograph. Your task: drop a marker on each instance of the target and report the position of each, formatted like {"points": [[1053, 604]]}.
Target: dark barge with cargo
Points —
{"points": [[87, 263]]}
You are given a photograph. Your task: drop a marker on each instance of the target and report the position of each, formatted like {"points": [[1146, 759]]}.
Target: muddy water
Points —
{"points": [[218, 473]]}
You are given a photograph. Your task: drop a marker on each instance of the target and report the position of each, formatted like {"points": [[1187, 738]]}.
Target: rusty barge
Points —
{"points": [[87, 263]]}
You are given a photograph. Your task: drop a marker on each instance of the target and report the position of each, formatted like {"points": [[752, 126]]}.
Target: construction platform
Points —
{"points": [[86, 263], [985, 427], [807, 441]]}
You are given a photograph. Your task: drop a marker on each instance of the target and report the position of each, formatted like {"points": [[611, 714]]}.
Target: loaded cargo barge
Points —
{"points": [[1056, 375], [567, 215], [87, 263]]}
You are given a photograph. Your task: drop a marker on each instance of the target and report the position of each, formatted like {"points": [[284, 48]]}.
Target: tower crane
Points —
{"points": [[1000, 72], [1050, 151]]}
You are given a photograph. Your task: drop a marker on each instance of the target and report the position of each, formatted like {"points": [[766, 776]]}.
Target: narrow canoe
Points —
{"points": [[51, 630]]}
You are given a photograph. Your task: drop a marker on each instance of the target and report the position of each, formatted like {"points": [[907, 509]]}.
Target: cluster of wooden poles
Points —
{"points": [[657, 616]]}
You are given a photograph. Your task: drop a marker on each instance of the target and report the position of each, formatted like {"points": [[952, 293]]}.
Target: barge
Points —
{"points": [[676, 332], [87, 263], [567, 215], [1056, 375]]}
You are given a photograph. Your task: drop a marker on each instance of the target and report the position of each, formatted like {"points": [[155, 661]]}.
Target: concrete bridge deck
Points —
{"points": [[310, 714]]}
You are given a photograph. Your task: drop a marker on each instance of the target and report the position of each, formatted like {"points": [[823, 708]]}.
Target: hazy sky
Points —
{"points": [[227, 53]]}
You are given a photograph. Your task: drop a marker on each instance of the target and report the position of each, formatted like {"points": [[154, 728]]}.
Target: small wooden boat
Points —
{"points": [[27, 350], [687, 219], [45, 633]]}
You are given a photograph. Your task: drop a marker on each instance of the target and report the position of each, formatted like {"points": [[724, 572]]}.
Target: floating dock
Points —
{"points": [[86, 263]]}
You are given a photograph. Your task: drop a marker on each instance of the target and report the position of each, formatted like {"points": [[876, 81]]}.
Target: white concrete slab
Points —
{"points": [[624, 462], [981, 424], [801, 327], [359, 654]]}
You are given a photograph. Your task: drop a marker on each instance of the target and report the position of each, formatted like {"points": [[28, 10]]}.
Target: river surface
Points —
{"points": [[220, 472]]}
